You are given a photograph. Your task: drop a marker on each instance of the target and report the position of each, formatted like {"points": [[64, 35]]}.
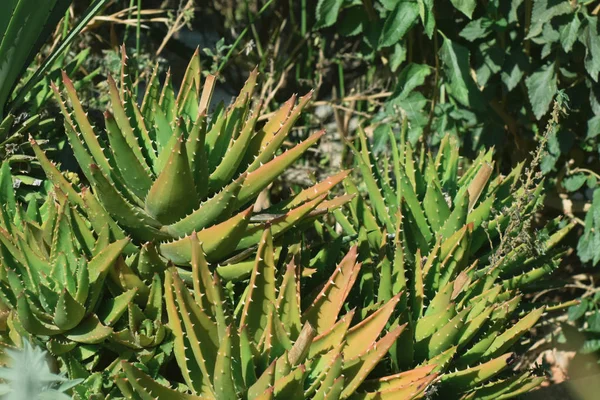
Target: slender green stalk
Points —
{"points": [[341, 79], [242, 35], [129, 14], [303, 20], [138, 33], [254, 32], [66, 21]]}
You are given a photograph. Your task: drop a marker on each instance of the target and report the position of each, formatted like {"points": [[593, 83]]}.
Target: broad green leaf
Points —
{"points": [[455, 59], [588, 248], [592, 43], [541, 88], [327, 12], [569, 33], [412, 76], [398, 23], [572, 183], [427, 14], [465, 6], [542, 13]]}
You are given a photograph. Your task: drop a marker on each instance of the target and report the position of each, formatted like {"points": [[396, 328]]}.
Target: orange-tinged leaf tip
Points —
{"points": [[111, 81]]}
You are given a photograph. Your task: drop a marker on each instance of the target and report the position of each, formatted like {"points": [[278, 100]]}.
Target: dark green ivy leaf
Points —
{"points": [[412, 76], [543, 11], [488, 61], [397, 56], [515, 67], [576, 312], [593, 127], [427, 16], [592, 43], [590, 346], [398, 23], [513, 15], [477, 29], [541, 87], [594, 322], [353, 21]]}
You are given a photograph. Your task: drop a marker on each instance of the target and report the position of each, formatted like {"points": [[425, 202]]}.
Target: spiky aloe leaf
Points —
{"points": [[69, 312], [510, 336], [260, 178], [506, 388], [216, 240], [288, 301], [173, 194], [89, 331], [471, 377], [149, 389], [324, 310], [363, 335], [223, 378], [213, 210], [357, 373], [261, 291], [263, 383]]}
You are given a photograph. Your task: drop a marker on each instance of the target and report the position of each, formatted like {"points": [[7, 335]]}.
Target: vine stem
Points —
{"points": [[585, 170]]}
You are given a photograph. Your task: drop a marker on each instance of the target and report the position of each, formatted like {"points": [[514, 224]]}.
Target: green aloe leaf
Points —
{"points": [[173, 194]]}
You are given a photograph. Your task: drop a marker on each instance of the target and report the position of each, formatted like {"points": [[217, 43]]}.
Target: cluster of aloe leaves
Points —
{"points": [[430, 232], [162, 281], [268, 348], [169, 169]]}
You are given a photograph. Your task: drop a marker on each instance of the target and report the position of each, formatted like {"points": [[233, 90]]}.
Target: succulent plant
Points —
{"points": [[28, 376], [450, 241], [268, 348], [70, 289], [54, 270], [170, 168]]}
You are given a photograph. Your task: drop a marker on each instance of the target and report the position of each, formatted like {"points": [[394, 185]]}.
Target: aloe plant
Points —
{"points": [[268, 348], [450, 239], [171, 168], [54, 273], [69, 288]]}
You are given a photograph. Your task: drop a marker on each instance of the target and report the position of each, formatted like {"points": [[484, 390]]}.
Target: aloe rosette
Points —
{"points": [[430, 227], [267, 347], [69, 289], [170, 167], [53, 273]]}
